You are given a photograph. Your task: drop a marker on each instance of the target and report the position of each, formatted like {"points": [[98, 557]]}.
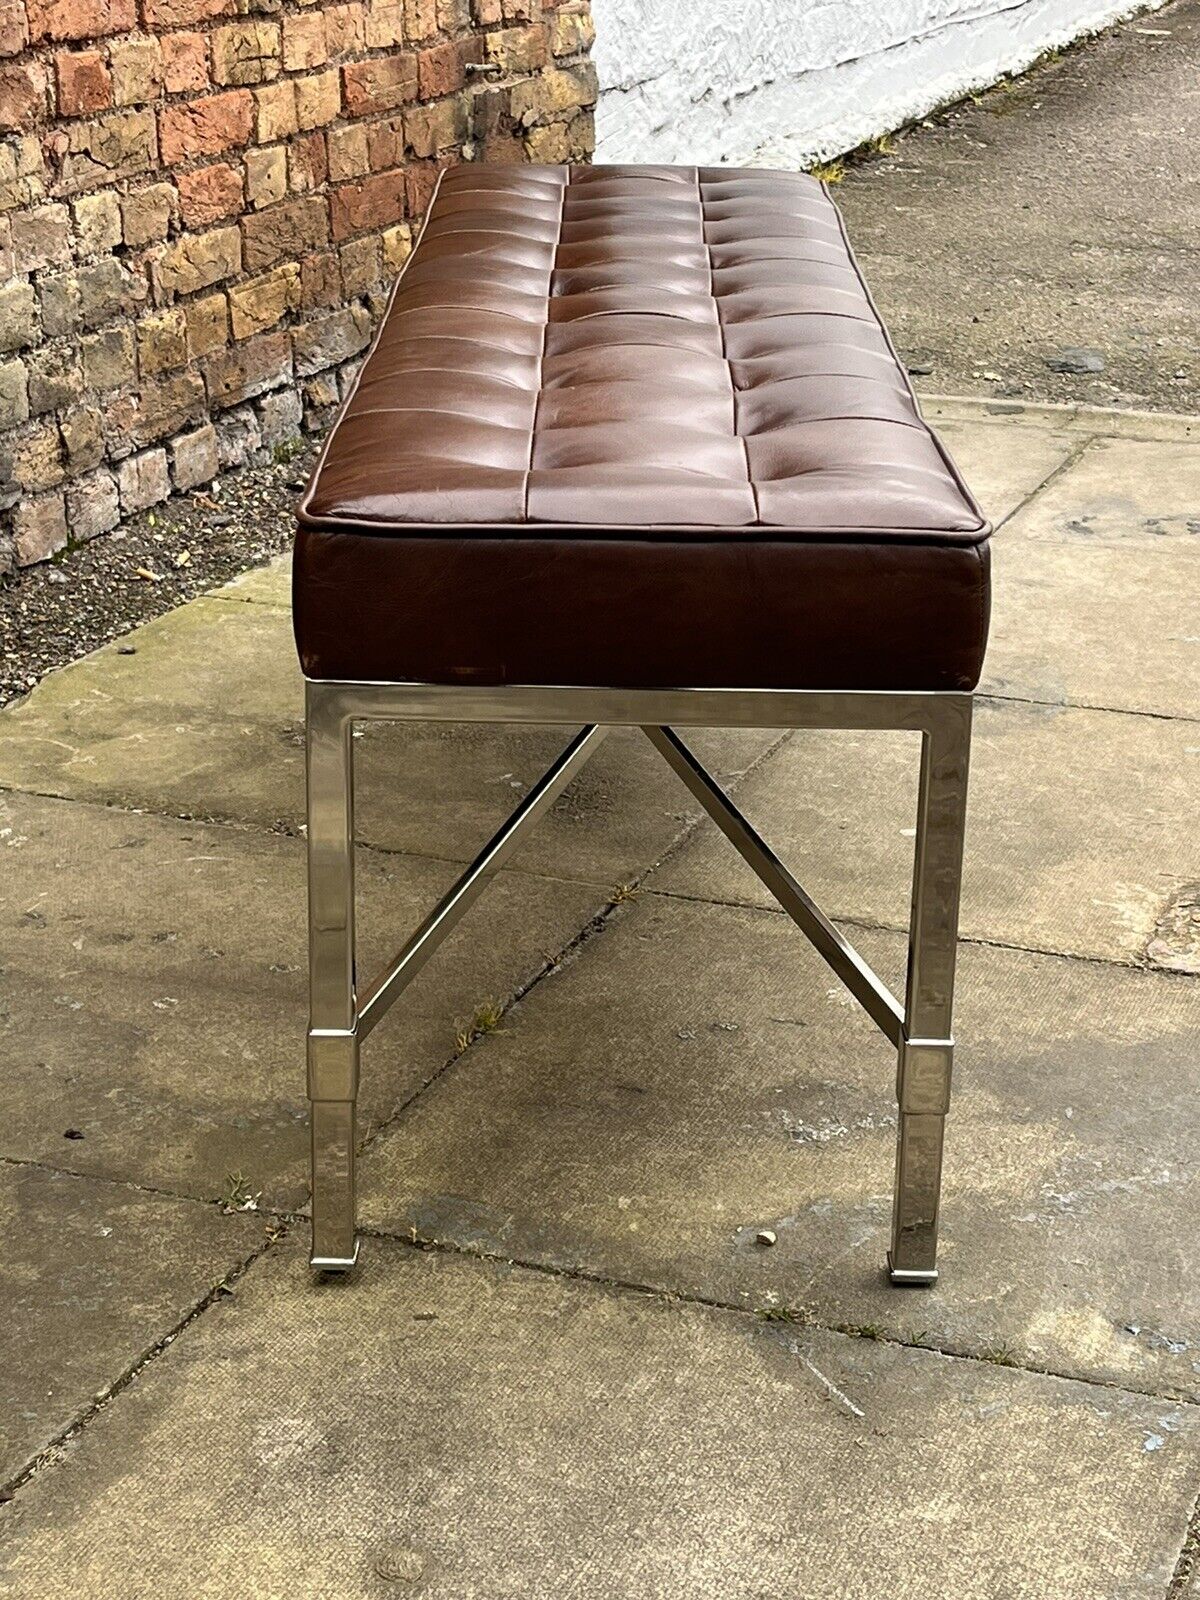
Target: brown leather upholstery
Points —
{"points": [[637, 426]]}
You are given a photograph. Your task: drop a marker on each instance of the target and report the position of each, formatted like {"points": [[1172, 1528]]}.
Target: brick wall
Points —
{"points": [[202, 203]]}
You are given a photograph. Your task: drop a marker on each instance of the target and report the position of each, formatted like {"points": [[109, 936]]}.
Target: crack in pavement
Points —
{"points": [[52, 1454], [849, 1330]]}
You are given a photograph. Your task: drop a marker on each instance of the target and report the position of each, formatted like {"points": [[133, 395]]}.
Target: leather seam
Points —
{"points": [[650, 532], [733, 393], [302, 510], [985, 528], [537, 404], [512, 427]]}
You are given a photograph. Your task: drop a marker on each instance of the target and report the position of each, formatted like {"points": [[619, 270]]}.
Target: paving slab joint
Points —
{"points": [[51, 1454], [786, 1318], [1095, 421]]}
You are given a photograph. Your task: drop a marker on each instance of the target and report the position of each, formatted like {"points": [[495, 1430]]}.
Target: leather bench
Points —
{"points": [[632, 446]]}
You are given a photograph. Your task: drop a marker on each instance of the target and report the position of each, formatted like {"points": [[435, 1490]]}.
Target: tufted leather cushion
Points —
{"points": [[637, 425]]}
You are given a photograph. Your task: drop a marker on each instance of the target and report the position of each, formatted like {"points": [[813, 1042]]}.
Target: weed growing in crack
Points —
{"points": [[1000, 1355], [623, 893], [238, 1195], [487, 1019], [792, 1316]]}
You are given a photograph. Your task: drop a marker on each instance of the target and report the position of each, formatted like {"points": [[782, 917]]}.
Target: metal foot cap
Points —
{"points": [[334, 1263], [911, 1277]]}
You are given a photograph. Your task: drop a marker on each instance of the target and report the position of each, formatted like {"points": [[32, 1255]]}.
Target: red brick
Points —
{"points": [[197, 261], [385, 143], [431, 129], [420, 20], [245, 52], [325, 341], [83, 82], [360, 265], [379, 85], [137, 70], [182, 13], [284, 232], [22, 96], [247, 369], [80, 19], [346, 29], [348, 151], [14, 29], [266, 176], [304, 41], [276, 110], [518, 49], [308, 164], [39, 528], [96, 151], [572, 30], [420, 179], [320, 281], [318, 99], [205, 127], [209, 193], [185, 62], [385, 25], [441, 69], [371, 204]]}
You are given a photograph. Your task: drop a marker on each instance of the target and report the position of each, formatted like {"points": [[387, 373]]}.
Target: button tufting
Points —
{"points": [[706, 336], [647, 419]]}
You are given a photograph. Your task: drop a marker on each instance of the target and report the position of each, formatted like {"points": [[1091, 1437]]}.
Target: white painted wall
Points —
{"points": [[783, 82]]}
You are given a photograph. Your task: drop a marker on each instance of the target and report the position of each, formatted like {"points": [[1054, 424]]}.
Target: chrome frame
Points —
{"points": [[920, 1028]]}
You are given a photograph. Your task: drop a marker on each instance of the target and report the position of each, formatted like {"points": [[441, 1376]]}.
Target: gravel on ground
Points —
{"points": [[56, 612]]}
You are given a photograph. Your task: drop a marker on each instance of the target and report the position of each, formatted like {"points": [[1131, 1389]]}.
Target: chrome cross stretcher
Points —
{"points": [[343, 1013]]}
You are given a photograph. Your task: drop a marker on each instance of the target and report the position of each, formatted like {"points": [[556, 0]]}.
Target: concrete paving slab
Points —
{"points": [[1081, 828], [1095, 583], [1095, 625], [269, 585], [94, 1276], [206, 720], [471, 1433], [697, 1075], [1003, 467], [1058, 211], [153, 992], [1130, 494]]}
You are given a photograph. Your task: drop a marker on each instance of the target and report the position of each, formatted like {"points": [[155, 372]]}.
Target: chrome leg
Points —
{"points": [[922, 1028], [927, 1047], [333, 1041]]}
